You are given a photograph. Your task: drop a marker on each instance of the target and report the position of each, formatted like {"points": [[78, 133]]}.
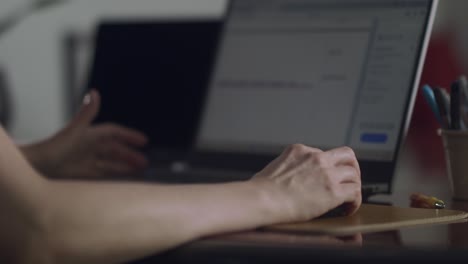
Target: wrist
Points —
{"points": [[274, 201], [234, 206]]}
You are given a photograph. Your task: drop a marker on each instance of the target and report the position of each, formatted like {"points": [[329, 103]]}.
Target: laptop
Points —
{"points": [[152, 76], [325, 73]]}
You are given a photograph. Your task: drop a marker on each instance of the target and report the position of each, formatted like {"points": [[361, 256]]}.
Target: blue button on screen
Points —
{"points": [[374, 138]]}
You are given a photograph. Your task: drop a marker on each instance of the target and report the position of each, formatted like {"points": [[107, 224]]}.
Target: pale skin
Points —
{"points": [[48, 220]]}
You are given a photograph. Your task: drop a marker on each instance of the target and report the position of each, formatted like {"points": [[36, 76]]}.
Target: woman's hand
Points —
{"points": [[82, 150], [305, 182]]}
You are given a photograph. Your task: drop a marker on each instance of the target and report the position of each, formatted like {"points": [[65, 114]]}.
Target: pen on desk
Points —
{"points": [[428, 94], [443, 103], [419, 200], [455, 96]]}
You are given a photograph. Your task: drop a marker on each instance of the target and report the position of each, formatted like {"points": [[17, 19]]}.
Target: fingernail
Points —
{"points": [[87, 99]]}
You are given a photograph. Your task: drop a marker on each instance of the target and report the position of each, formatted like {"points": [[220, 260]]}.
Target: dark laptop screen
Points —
{"points": [[152, 76]]}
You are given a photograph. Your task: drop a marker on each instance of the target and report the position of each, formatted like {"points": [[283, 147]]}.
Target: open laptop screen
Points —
{"points": [[326, 73]]}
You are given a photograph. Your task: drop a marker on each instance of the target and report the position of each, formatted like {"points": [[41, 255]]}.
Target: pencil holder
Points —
{"points": [[456, 154]]}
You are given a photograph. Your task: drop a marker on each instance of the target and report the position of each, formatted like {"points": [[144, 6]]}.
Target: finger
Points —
{"points": [[347, 188], [88, 111], [125, 135], [121, 153], [343, 156], [345, 174], [112, 168], [351, 195]]}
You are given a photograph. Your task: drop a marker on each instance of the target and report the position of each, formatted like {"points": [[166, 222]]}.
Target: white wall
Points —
{"points": [[31, 53]]}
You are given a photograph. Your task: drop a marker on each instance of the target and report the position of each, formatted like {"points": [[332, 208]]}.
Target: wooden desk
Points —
{"points": [[444, 243]]}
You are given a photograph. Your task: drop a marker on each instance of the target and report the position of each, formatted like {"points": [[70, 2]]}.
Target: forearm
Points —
{"points": [[108, 223], [102, 222]]}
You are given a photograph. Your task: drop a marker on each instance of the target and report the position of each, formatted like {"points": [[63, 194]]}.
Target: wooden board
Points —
{"points": [[373, 218]]}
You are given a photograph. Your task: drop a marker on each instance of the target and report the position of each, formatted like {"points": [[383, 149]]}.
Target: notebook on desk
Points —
{"points": [[325, 73]]}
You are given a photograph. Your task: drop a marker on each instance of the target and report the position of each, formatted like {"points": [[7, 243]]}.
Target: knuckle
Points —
{"points": [[318, 160], [301, 150], [310, 156], [294, 151], [348, 149], [298, 148]]}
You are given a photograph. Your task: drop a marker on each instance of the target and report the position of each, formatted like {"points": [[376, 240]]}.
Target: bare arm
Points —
{"points": [[128, 221], [80, 222], [73, 222]]}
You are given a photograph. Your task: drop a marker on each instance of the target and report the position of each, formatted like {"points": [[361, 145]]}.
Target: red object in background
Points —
{"points": [[441, 68]]}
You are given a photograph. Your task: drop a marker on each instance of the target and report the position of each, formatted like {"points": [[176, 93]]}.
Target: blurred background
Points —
{"points": [[44, 58], [34, 62]]}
